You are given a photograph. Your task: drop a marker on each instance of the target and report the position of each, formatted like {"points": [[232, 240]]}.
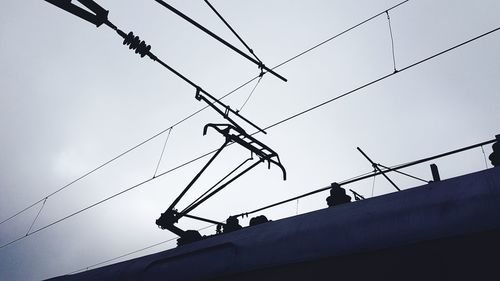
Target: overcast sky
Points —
{"points": [[73, 97]]}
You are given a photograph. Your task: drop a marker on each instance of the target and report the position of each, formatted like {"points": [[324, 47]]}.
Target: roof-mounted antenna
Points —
{"points": [[376, 166]]}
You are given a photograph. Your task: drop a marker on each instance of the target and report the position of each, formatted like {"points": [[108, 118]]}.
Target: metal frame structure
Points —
{"points": [[232, 134]]}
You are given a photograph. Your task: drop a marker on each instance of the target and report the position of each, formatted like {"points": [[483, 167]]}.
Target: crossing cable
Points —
{"points": [[286, 120], [233, 31], [197, 112]]}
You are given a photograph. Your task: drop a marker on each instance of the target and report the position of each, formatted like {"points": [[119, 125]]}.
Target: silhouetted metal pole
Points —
{"points": [[215, 36]]}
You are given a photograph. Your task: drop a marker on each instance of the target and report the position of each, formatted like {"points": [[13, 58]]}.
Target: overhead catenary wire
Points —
{"points": [[133, 252], [197, 112], [281, 122], [383, 77]]}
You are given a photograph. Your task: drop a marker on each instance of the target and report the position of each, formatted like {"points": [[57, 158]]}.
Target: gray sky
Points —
{"points": [[73, 97]]}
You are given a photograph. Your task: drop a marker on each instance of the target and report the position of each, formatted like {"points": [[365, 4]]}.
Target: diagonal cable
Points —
{"points": [[37, 215], [233, 31]]}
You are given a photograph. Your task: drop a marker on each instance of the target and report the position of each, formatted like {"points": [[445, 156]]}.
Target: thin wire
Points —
{"points": [[124, 255], [273, 125], [392, 41], [39, 211], [163, 150], [232, 30], [403, 173], [134, 252], [484, 154], [251, 92], [373, 185], [196, 112]]}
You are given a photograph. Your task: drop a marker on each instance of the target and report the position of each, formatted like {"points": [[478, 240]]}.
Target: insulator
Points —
{"points": [[337, 196], [495, 155], [135, 43], [258, 220], [232, 224]]}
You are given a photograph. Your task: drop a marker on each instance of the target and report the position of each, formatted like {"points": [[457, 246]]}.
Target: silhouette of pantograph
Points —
{"points": [[233, 132]]}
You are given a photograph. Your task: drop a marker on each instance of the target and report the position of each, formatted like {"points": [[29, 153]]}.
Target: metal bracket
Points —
{"points": [[99, 17]]}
